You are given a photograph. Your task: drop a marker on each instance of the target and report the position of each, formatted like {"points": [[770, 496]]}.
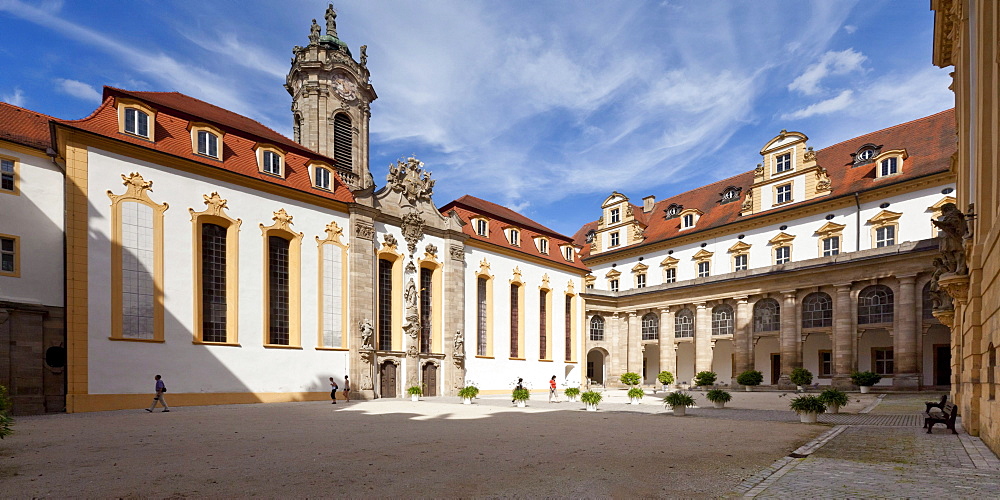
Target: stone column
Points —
{"points": [[789, 340], [742, 337], [702, 338], [362, 364], [668, 349], [634, 342], [904, 348], [843, 337], [618, 350]]}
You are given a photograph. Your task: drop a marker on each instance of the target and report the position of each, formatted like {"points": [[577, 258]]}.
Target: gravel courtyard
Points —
{"points": [[394, 448]]}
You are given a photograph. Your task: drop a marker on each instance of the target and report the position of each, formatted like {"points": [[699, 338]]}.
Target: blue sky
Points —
{"points": [[545, 107]]}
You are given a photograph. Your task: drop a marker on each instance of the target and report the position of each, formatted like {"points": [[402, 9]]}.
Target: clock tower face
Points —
{"points": [[345, 88]]}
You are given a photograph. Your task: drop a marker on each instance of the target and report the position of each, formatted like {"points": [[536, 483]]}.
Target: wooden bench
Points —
{"points": [[939, 405], [946, 416]]}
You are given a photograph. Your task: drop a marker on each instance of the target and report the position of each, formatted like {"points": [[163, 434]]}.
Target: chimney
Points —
{"points": [[647, 204]]}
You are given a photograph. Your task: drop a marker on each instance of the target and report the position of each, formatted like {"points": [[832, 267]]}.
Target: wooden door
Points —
{"points": [[942, 364], [388, 386], [775, 368], [430, 379]]}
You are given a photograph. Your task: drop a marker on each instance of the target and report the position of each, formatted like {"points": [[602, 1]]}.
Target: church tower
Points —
{"points": [[331, 101]]}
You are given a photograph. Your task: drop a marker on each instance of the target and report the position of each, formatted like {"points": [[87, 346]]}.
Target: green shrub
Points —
{"points": [[678, 399], [801, 376], [750, 377], [6, 421], [807, 404], [833, 397], [630, 378], [704, 379], [415, 390], [636, 393], [521, 395], [865, 378], [718, 396], [591, 397], [572, 392], [665, 378], [468, 392]]}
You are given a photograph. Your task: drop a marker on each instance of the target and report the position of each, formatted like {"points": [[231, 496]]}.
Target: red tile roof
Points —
{"points": [[929, 143], [174, 111], [469, 206], [25, 127]]}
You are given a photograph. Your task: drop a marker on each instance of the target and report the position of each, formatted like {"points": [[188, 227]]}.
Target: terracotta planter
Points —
{"points": [[865, 389], [808, 417], [466, 401], [680, 410], [414, 397]]}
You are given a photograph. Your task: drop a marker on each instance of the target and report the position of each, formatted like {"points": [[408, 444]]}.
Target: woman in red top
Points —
{"points": [[552, 389]]}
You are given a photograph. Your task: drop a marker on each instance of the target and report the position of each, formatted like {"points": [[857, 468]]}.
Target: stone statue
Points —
{"points": [[412, 326], [952, 242], [748, 201], [410, 296], [940, 299], [331, 21], [364, 55], [459, 343], [367, 330], [314, 33]]}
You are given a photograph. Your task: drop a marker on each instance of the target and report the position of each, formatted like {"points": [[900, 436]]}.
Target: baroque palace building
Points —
{"points": [[967, 37], [162, 234]]}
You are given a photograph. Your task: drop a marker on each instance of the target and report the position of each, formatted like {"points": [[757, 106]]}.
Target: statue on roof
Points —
{"points": [[331, 21], [364, 55], [314, 33]]}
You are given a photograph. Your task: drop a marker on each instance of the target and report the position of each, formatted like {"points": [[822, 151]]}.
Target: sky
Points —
{"points": [[545, 107]]}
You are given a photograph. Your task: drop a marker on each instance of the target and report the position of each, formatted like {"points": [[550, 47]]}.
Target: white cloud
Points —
{"points": [[850, 29], [17, 98], [834, 104], [240, 52], [79, 90], [830, 64]]}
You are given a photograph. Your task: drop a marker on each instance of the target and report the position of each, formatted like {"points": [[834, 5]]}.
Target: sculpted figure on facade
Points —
{"points": [[952, 242], [412, 314], [413, 229], [822, 180], [364, 230], [410, 180], [459, 344], [367, 330], [748, 201], [314, 32], [940, 300], [389, 240], [457, 253]]}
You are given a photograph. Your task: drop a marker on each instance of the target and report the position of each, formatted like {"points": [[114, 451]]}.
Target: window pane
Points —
{"points": [[137, 270], [597, 328], [650, 327], [384, 305], [481, 316], [278, 299], [213, 283], [332, 296], [543, 332], [515, 326], [766, 316], [425, 309]]}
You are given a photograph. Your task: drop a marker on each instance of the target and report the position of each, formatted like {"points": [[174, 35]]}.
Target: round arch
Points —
{"points": [[597, 362]]}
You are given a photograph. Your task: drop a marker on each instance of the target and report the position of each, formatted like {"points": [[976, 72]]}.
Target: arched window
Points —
{"points": [[722, 320], [342, 142], [817, 310], [766, 316], [596, 328], [875, 305], [927, 303], [684, 324], [650, 327]]}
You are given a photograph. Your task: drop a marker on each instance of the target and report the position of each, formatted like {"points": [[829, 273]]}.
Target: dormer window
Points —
{"points": [[688, 221], [616, 215], [206, 140], [783, 194], [866, 154], [730, 194], [615, 239], [514, 237], [890, 162], [783, 162], [136, 122], [135, 118], [542, 244], [322, 177], [272, 163], [482, 227], [568, 253], [673, 211], [888, 167], [590, 236]]}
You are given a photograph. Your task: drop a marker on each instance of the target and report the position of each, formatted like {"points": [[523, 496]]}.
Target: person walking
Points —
{"points": [[158, 398], [347, 389], [520, 385], [552, 390], [333, 391]]}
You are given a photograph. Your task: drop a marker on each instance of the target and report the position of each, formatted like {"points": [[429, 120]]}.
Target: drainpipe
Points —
{"points": [[857, 222]]}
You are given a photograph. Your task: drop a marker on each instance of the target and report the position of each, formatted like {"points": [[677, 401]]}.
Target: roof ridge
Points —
{"points": [[888, 128], [20, 108]]}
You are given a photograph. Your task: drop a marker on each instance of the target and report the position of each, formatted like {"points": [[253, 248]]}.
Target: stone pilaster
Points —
{"points": [[634, 340], [904, 348], [743, 337], [455, 337], [668, 349], [843, 337], [702, 338], [789, 339], [361, 255]]}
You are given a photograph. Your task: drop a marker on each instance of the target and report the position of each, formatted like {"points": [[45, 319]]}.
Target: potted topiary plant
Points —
{"points": [[750, 378], [666, 379], [833, 399], [415, 392], [591, 399], [520, 397], [467, 393], [801, 377], [808, 407], [679, 401], [865, 380], [572, 393], [719, 397], [635, 394], [704, 379], [630, 378]]}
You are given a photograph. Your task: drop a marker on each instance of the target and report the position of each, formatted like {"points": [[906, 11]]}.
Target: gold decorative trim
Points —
{"points": [[781, 238]]}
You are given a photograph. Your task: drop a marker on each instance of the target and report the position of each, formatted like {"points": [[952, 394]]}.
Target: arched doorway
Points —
{"points": [[596, 365], [429, 378], [387, 375]]}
